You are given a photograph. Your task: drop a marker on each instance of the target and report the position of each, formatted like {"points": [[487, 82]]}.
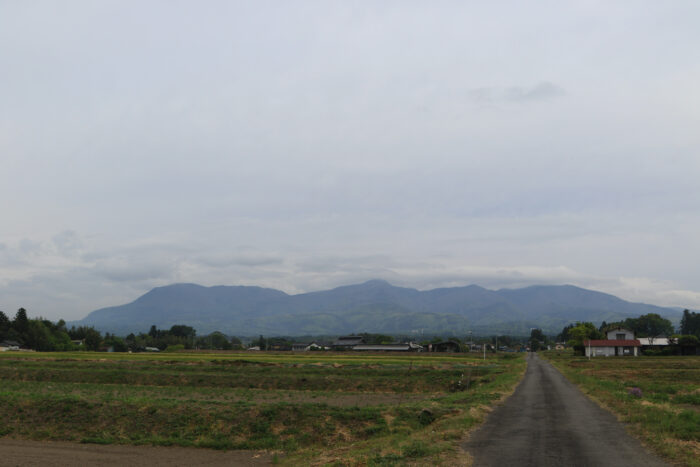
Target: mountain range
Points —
{"points": [[374, 306]]}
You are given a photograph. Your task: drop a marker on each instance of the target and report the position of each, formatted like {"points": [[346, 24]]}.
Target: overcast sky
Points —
{"points": [[309, 144]]}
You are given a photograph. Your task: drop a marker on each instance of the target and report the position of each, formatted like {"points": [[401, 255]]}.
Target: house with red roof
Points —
{"points": [[619, 342]]}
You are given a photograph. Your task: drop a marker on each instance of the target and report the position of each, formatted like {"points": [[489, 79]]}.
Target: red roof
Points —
{"points": [[613, 343]]}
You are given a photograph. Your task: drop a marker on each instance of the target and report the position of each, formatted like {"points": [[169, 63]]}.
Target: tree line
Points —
{"points": [[38, 334], [45, 336]]}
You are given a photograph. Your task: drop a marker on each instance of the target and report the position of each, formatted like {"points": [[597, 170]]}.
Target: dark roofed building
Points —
{"points": [[9, 345], [347, 342]]}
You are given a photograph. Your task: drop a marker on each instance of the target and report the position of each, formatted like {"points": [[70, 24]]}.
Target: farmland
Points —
{"points": [[658, 397], [314, 408]]}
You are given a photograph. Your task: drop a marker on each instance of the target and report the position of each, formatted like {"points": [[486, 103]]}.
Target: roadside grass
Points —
{"points": [[329, 409], [665, 414]]}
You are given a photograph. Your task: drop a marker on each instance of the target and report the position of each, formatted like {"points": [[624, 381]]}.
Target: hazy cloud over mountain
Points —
{"points": [[304, 145]]}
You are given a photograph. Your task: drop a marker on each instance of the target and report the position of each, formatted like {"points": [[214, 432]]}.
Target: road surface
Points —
{"points": [[549, 422]]}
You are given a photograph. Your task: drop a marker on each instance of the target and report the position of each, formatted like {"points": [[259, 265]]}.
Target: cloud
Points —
{"points": [[224, 260], [112, 276], [350, 142], [67, 242], [542, 91]]}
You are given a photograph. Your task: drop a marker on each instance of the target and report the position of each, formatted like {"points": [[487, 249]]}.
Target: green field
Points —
{"points": [[664, 413], [317, 408]]}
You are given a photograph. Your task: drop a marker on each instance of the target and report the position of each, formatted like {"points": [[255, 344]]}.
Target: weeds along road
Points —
{"points": [[549, 422]]}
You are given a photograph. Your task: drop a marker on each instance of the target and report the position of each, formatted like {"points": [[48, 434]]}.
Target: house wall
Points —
{"points": [[612, 334], [600, 351], [610, 351]]}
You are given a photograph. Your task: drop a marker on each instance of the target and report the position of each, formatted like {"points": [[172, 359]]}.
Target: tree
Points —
{"points": [[377, 338], [536, 338], [21, 322], [117, 343], [649, 325], [563, 336], [613, 325], [38, 336], [5, 325], [93, 339], [180, 330], [580, 333], [236, 343], [690, 323], [219, 341], [686, 344]]}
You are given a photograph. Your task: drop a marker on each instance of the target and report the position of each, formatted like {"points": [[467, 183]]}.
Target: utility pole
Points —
{"points": [[589, 348]]}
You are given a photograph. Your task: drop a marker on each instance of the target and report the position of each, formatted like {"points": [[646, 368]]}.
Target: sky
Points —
{"points": [[310, 144]]}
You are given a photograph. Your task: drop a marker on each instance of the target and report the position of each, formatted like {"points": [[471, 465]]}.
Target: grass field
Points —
{"points": [[659, 397], [311, 408]]}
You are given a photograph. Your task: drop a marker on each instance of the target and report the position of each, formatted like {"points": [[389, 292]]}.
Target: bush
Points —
{"points": [[416, 449]]}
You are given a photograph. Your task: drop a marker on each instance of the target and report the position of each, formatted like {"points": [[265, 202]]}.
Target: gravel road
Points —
{"points": [[549, 422]]}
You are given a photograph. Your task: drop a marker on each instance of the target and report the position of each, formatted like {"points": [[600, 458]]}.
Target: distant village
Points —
{"points": [[647, 335]]}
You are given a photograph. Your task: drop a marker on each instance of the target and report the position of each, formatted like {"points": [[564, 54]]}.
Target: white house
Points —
{"points": [[619, 342]]}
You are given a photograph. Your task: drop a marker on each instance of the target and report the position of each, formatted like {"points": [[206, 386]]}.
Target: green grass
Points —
{"points": [[667, 415], [337, 409]]}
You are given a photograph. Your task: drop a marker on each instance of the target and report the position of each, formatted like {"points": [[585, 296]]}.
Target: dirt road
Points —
{"points": [[42, 453], [549, 422]]}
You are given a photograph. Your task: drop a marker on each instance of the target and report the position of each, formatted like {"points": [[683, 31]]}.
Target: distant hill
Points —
{"points": [[373, 306]]}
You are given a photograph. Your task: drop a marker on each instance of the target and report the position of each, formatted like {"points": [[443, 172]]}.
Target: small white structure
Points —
{"points": [[619, 342], [303, 347]]}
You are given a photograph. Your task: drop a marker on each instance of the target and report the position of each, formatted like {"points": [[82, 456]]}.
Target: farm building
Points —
{"points": [[8, 345], [347, 342], [304, 347], [407, 347], [655, 343], [619, 342]]}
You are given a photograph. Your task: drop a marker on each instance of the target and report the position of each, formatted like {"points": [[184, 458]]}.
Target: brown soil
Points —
{"points": [[58, 453]]}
